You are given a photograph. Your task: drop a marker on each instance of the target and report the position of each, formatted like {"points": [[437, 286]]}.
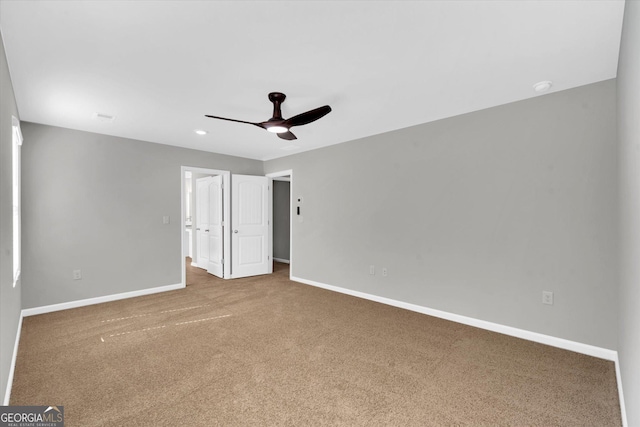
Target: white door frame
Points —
{"points": [[276, 175], [226, 183]]}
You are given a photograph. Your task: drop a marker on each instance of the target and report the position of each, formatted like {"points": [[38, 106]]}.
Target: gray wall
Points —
{"points": [[475, 215], [95, 202], [9, 296], [281, 219], [629, 137]]}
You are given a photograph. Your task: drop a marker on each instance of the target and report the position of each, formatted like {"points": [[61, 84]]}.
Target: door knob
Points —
{"points": [[206, 231], [235, 231]]}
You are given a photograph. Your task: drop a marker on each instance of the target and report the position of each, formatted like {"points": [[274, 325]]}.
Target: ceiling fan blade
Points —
{"points": [[308, 117], [234, 120], [287, 135]]}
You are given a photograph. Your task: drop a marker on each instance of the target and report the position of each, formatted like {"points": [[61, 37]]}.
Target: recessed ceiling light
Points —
{"points": [[200, 132], [103, 117], [542, 86]]}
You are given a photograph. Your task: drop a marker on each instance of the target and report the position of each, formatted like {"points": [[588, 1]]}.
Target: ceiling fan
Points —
{"points": [[279, 125]]}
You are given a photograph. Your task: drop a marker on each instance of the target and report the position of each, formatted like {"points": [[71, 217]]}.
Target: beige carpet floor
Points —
{"points": [[265, 351]]}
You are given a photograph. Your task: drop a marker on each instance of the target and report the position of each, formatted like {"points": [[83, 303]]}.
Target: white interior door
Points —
{"points": [[215, 227], [202, 221], [250, 222]]}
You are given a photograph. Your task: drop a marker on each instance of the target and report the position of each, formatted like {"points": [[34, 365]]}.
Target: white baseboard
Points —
{"points": [[587, 349], [623, 409], [286, 261], [12, 368], [98, 300]]}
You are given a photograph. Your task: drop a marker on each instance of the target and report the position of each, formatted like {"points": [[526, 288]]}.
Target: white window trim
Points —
{"points": [[16, 144]]}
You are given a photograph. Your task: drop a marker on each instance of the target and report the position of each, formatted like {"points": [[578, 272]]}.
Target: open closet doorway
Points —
{"points": [[205, 201], [283, 217]]}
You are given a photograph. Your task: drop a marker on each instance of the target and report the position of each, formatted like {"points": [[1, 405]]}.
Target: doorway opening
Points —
{"points": [[283, 217], [194, 240]]}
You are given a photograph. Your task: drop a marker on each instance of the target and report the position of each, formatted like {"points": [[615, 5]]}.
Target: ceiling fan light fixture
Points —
{"points": [[277, 129]]}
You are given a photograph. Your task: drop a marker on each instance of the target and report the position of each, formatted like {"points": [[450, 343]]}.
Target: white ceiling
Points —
{"points": [[160, 66]]}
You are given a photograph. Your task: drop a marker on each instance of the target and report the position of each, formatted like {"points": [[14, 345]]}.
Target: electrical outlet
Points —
{"points": [[77, 274], [384, 271], [372, 270], [166, 219], [547, 297]]}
